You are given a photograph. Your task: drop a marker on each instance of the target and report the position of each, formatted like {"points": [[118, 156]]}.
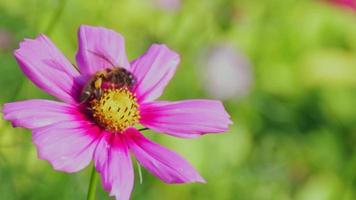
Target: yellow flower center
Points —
{"points": [[116, 110]]}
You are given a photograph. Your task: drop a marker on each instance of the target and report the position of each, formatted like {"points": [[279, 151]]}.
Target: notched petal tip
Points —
{"points": [[202, 180], [197, 179], [28, 42]]}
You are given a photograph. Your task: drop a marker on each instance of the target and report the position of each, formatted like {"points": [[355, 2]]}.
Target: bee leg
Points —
{"points": [[84, 97], [97, 93]]}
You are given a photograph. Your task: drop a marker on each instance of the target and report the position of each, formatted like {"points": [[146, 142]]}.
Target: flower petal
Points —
{"points": [[46, 67], [188, 119], [153, 71], [38, 113], [68, 145], [113, 162], [100, 48], [163, 163]]}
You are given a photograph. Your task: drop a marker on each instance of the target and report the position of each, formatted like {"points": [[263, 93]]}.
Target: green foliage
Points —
{"points": [[293, 136]]}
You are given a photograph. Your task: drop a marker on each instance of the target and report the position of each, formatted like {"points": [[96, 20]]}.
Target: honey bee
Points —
{"points": [[113, 78]]}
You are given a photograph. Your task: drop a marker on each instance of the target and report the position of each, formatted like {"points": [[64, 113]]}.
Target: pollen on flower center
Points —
{"points": [[116, 110]]}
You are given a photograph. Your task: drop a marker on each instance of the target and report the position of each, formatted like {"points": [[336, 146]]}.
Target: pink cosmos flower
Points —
{"points": [[232, 79], [101, 105]]}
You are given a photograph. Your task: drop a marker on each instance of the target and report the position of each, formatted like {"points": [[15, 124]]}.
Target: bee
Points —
{"points": [[109, 78], [120, 77]]}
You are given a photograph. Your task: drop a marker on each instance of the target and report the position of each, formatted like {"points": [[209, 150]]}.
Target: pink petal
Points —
{"points": [[67, 145], [113, 162], [163, 163], [100, 48], [188, 119], [46, 66], [38, 113], [153, 71]]}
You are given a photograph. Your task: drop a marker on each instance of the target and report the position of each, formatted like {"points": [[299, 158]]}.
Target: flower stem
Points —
{"points": [[92, 185]]}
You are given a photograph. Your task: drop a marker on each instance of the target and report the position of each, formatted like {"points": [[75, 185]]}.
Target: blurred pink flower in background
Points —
{"points": [[351, 4], [168, 5], [6, 40], [227, 72]]}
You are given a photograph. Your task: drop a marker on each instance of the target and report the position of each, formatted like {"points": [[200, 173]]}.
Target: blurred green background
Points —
{"points": [[288, 74]]}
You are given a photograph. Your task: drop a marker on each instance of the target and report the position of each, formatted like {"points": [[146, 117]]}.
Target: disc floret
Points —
{"points": [[116, 110]]}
